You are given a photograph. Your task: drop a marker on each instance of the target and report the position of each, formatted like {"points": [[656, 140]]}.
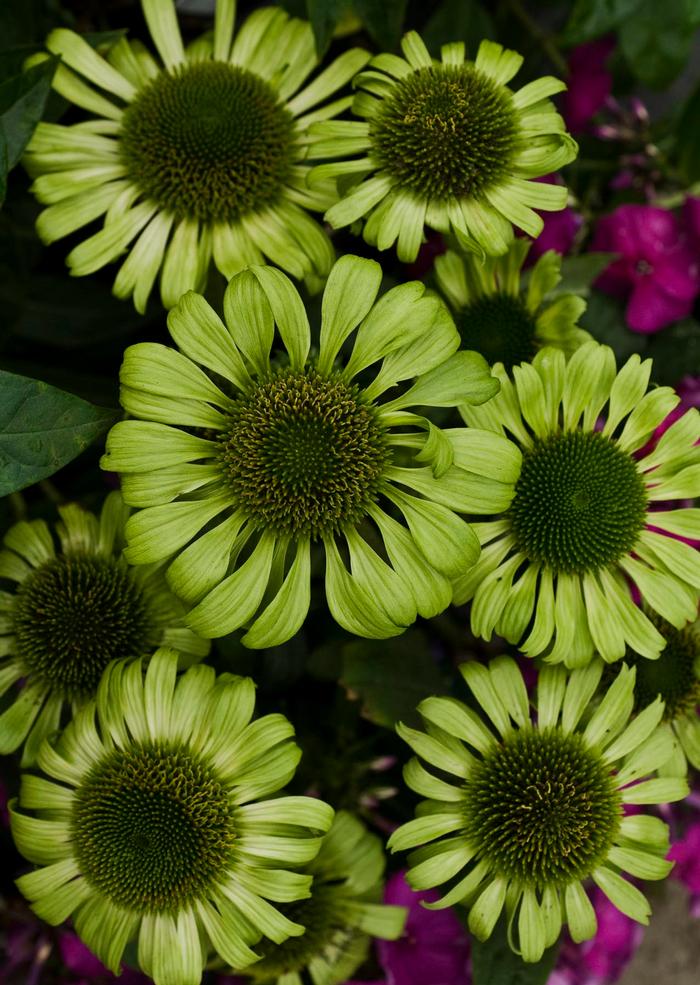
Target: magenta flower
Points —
{"points": [[658, 273], [434, 949], [589, 82], [601, 960], [691, 220], [88, 970], [559, 230], [685, 852]]}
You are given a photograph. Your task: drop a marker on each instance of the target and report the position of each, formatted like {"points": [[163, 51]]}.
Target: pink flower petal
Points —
{"points": [[651, 309]]}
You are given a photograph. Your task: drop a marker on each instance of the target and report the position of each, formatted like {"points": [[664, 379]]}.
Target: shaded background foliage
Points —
{"points": [[62, 340]]}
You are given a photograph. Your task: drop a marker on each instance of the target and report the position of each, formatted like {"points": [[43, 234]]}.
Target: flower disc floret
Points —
{"points": [[280, 458], [211, 141], [524, 804], [153, 828], [73, 615], [504, 320], [445, 131], [303, 454], [447, 145], [76, 606], [555, 569], [675, 678], [580, 503], [542, 807], [151, 824], [191, 157]]}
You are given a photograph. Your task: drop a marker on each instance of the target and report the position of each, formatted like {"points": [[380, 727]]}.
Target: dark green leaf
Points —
{"points": [[675, 351], [688, 138], [22, 101], [604, 318], [591, 18], [657, 41], [494, 963], [383, 19], [42, 429], [578, 273], [324, 16], [458, 20], [66, 312], [391, 677]]}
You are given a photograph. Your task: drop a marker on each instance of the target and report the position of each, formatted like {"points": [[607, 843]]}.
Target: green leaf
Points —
{"points": [[391, 677], [591, 18], [22, 101], [604, 318], [67, 313], [688, 138], [42, 429], [675, 351], [578, 273], [383, 19], [324, 16], [458, 20], [493, 962], [657, 40]]}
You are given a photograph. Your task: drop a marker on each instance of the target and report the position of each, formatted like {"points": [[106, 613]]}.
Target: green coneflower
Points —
{"points": [[503, 321], [152, 824], [447, 145], [73, 610], [341, 916], [531, 809], [195, 157], [554, 566], [292, 452], [675, 678]]}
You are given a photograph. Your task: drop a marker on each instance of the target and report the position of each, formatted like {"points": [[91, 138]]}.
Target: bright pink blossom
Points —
{"points": [[691, 220], [559, 230], [601, 960], [658, 272], [433, 950], [589, 82], [80, 961]]}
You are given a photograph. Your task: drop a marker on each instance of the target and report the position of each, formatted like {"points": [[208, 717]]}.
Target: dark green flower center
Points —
{"points": [[327, 936], [304, 454], [152, 828], [542, 808], [444, 131], [579, 503], [76, 613], [673, 675], [500, 327], [210, 141]]}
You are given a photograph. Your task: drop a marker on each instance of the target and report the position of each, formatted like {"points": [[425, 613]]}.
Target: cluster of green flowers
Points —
{"points": [[255, 449]]}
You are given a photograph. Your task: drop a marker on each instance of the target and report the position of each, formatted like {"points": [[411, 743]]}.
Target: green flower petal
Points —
{"points": [[285, 614], [201, 335], [580, 914], [349, 295], [288, 312], [464, 377], [487, 908], [42, 842], [622, 894]]}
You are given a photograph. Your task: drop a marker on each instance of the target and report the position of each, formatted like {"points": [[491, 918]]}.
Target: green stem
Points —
{"points": [[51, 492], [18, 506], [543, 39]]}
